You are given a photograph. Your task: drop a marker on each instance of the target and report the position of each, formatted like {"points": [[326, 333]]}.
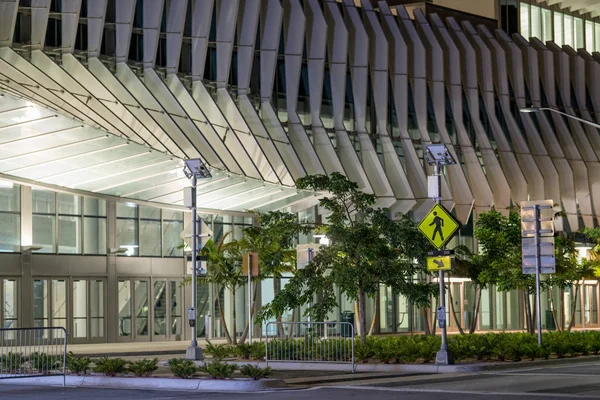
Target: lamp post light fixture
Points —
{"points": [[540, 109], [438, 155], [194, 169]]}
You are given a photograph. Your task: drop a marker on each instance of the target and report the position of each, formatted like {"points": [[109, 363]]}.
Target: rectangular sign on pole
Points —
{"points": [[443, 263]]}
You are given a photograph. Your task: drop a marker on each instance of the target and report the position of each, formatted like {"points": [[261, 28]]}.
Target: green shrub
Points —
{"points": [[219, 351], [43, 362], [110, 366], [11, 362], [78, 365], [219, 370], [182, 368], [364, 352], [255, 372], [143, 367], [257, 351], [242, 351], [428, 347]]}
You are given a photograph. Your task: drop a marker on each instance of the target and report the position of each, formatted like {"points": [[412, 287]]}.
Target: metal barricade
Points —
{"points": [[31, 352], [310, 342]]}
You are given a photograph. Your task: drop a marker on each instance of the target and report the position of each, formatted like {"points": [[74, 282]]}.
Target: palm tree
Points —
{"points": [[274, 241], [224, 271]]}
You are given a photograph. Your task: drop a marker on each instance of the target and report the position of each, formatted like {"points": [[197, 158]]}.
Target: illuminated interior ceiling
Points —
{"points": [[581, 6], [40, 145]]}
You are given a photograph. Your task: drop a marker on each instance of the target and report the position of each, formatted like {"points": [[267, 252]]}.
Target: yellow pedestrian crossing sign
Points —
{"points": [[439, 226], [443, 263]]}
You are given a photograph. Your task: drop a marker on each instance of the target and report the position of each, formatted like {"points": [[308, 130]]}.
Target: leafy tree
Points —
{"points": [[468, 265], [499, 262], [366, 248], [274, 239]]}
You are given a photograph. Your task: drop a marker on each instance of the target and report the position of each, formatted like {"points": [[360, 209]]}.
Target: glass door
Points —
{"points": [[134, 310], [50, 303], [175, 307], [88, 311], [166, 309], [159, 309], [9, 305]]}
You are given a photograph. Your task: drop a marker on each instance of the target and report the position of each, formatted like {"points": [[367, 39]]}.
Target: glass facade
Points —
{"points": [[560, 27], [10, 217]]}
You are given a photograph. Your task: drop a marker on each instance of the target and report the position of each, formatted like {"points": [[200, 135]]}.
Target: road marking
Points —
{"points": [[472, 392]]}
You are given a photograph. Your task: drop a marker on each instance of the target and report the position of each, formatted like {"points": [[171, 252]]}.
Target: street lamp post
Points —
{"points": [[438, 156], [193, 170], [540, 109]]}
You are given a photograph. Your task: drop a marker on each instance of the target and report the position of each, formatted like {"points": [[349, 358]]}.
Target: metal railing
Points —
{"points": [[31, 352], [310, 342]]}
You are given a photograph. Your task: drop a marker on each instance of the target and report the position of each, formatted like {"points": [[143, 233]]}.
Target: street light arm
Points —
{"points": [[538, 109]]}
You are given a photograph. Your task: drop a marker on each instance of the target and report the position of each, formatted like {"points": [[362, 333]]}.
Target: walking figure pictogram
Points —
{"points": [[439, 223]]}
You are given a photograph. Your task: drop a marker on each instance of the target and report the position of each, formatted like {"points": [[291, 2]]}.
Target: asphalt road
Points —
{"points": [[560, 382]]}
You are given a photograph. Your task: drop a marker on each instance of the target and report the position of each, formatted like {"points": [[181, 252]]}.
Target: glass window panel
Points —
{"points": [[141, 307], [94, 235], [10, 303], [485, 310], [597, 33], [499, 309], [69, 204], [69, 234], [558, 28], [568, 24], [127, 236], [524, 14], [150, 240], [150, 213], [10, 196], [124, 297], [546, 25], [95, 207], [59, 303], [172, 238], [44, 233], [160, 307], [175, 323], [578, 33], [536, 22], [40, 303], [44, 202], [172, 215], [10, 232], [97, 308], [589, 36], [127, 210], [80, 307]]}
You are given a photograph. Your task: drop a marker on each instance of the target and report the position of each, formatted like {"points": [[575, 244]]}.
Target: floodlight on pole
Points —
{"points": [[539, 109], [194, 169], [438, 155]]}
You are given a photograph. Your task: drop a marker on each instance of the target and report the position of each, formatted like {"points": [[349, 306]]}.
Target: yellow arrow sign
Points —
{"points": [[439, 263], [439, 226]]}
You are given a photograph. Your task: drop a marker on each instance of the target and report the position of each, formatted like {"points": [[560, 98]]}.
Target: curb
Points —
{"points": [[212, 385], [312, 366]]}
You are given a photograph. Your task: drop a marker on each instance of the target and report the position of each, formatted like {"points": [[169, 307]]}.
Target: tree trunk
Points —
{"points": [[425, 312], [551, 296], [254, 306], [222, 315], [456, 319], [476, 309], [233, 315], [356, 319], [362, 312], [574, 308], [373, 321], [527, 311]]}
